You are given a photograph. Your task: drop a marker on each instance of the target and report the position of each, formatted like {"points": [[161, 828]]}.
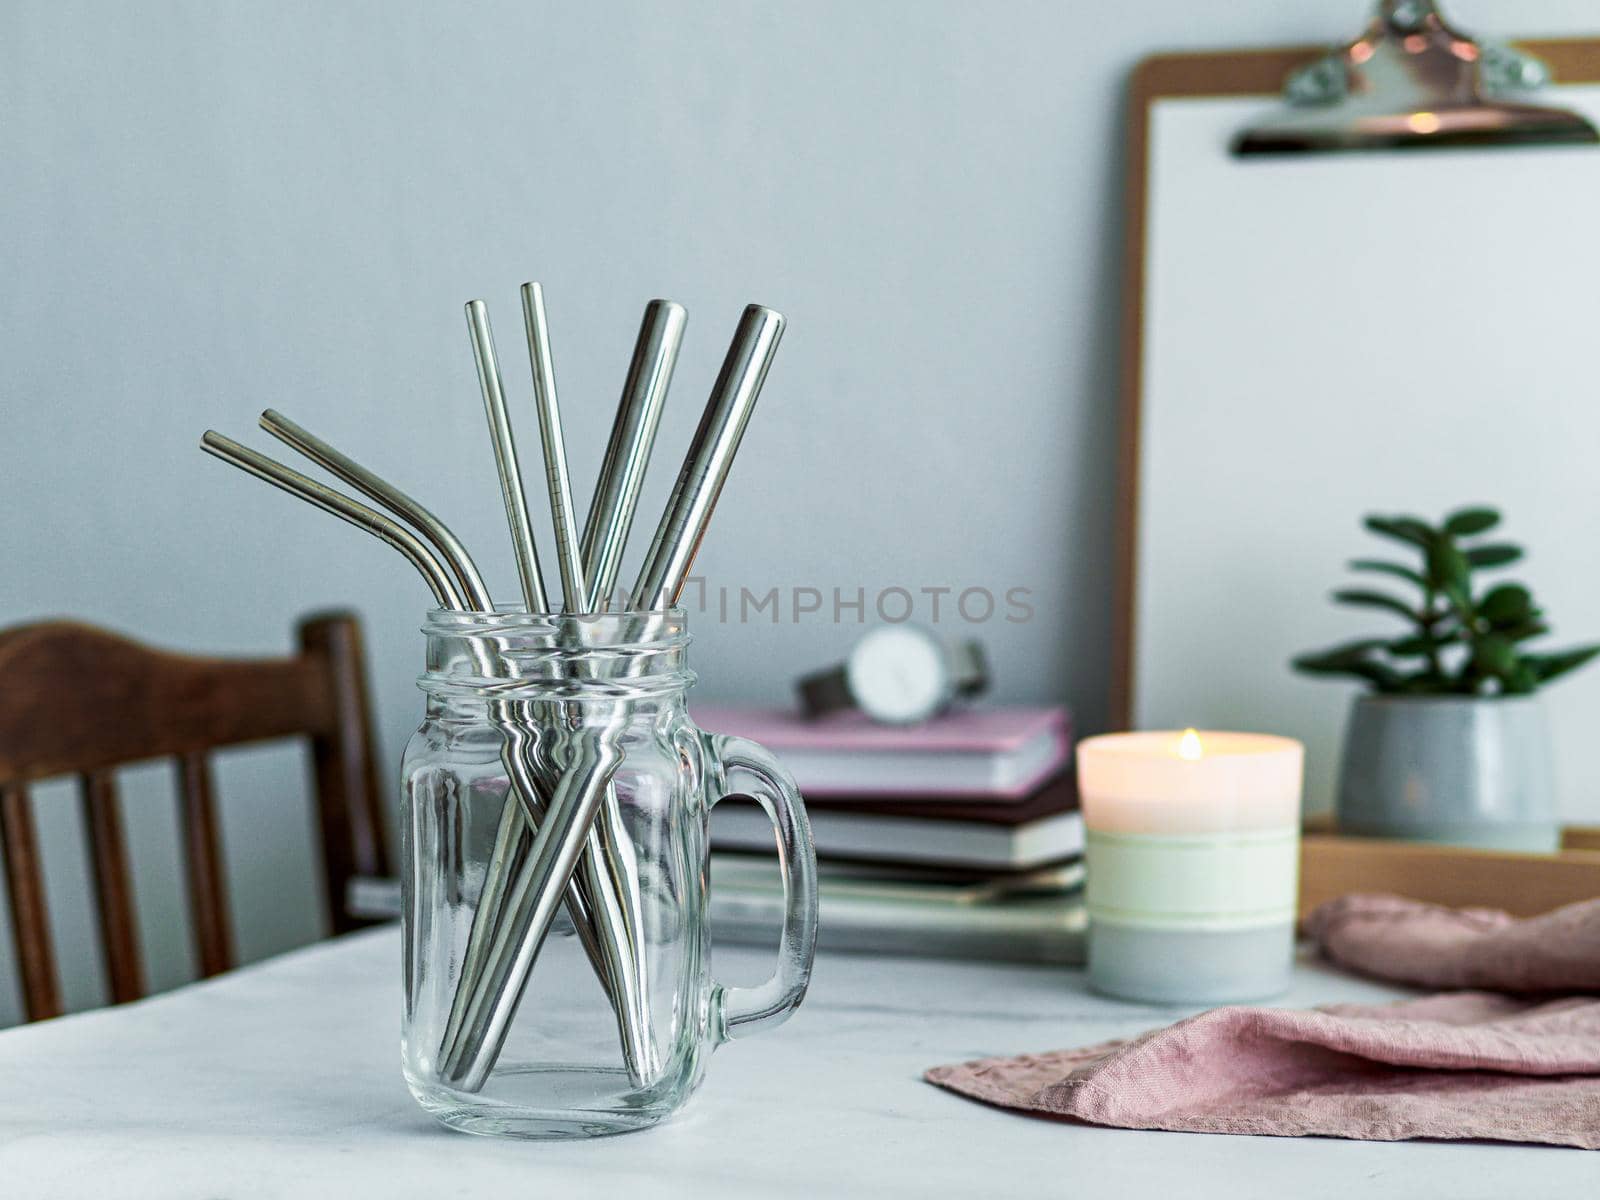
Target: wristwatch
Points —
{"points": [[898, 674]]}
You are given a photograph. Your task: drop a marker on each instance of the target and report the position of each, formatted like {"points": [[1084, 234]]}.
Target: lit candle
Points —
{"points": [[1193, 863]]}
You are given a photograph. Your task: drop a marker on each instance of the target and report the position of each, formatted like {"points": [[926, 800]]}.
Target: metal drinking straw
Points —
{"points": [[445, 589], [385, 493], [448, 595], [531, 579], [529, 902], [710, 457], [633, 436], [592, 897], [569, 555], [610, 891], [609, 869], [505, 458], [580, 901], [431, 568], [605, 536]]}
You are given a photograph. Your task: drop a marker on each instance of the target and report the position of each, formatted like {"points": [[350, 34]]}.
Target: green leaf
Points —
{"points": [[1493, 654], [1465, 522], [1389, 568], [1506, 604], [1551, 666], [1522, 631], [1362, 598], [1412, 647], [1524, 679], [1404, 529], [1352, 658], [1339, 658], [1448, 571], [1495, 554]]}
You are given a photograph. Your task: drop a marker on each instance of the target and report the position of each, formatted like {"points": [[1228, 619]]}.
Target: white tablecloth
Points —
{"points": [[283, 1080]]}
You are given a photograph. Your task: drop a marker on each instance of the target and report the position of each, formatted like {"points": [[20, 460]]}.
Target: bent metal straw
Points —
{"points": [[385, 493], [581, 900], [470, 592], [444, 588], [526, 919]]}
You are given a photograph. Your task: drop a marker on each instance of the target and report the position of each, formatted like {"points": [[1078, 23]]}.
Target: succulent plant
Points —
{"points": [[1460, 640]]}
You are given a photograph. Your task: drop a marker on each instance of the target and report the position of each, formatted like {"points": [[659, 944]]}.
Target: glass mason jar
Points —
{"points": [[554, 842]]}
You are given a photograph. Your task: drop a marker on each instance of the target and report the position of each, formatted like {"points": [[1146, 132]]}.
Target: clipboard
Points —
{"points": [[1252, 79]]}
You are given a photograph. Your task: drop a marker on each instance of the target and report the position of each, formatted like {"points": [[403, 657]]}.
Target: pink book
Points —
{"points": [[1000, 753]]}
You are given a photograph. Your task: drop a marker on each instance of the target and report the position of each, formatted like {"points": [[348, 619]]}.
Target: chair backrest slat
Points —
{"points": [[94, 700], [75, 700], [202, 860], [113, 886], [351, 813], [30, 920]]}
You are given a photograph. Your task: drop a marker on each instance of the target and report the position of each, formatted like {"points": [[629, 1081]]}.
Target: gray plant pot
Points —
{"points": [[1471, 771]]}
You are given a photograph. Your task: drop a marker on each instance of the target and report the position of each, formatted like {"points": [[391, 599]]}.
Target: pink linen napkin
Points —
{"points": [[1469, 1064], [1428, 945]]}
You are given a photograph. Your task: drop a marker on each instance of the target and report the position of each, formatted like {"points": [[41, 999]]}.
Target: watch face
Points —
{"points": [[899, 673]]}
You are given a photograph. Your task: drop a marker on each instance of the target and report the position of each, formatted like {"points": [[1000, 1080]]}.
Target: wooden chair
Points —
{"points": [[75, 700]]}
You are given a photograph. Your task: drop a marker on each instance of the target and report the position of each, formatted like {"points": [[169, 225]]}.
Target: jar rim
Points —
{"points": [[513, 653], [518, 619]]}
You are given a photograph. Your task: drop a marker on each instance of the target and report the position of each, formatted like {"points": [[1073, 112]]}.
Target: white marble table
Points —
{"points": [[282, 1080]]}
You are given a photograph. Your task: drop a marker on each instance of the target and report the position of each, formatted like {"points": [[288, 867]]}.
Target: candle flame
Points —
{"points": [[1189, 747]]}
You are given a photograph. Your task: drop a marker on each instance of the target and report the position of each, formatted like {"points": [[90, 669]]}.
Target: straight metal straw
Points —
{"points": [[705, 468], [505, 458], [610, 518], [550, 863], [609, 892], [609, 868], [530, 906], [605, 536], [444, 588], [627, 457], [569, 555], [517, 756]]}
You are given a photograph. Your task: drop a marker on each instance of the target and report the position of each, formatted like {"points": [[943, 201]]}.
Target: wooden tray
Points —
{"points": [[1333, 864]]}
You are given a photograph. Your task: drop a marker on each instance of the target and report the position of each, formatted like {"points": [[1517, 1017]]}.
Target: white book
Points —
{"points": [[1036, 918]]}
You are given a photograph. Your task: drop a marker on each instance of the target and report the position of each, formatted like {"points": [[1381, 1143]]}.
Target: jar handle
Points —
{"points": [[750, 770]]}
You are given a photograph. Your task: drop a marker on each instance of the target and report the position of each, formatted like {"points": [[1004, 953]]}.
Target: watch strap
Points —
{"points": [[969, 668], [826, 691]]}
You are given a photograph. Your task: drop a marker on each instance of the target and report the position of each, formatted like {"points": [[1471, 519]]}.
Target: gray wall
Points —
{"points": [[211, 208]]}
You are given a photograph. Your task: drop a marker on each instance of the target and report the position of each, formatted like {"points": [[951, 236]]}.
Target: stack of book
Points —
{"points": [[960, 836]]}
